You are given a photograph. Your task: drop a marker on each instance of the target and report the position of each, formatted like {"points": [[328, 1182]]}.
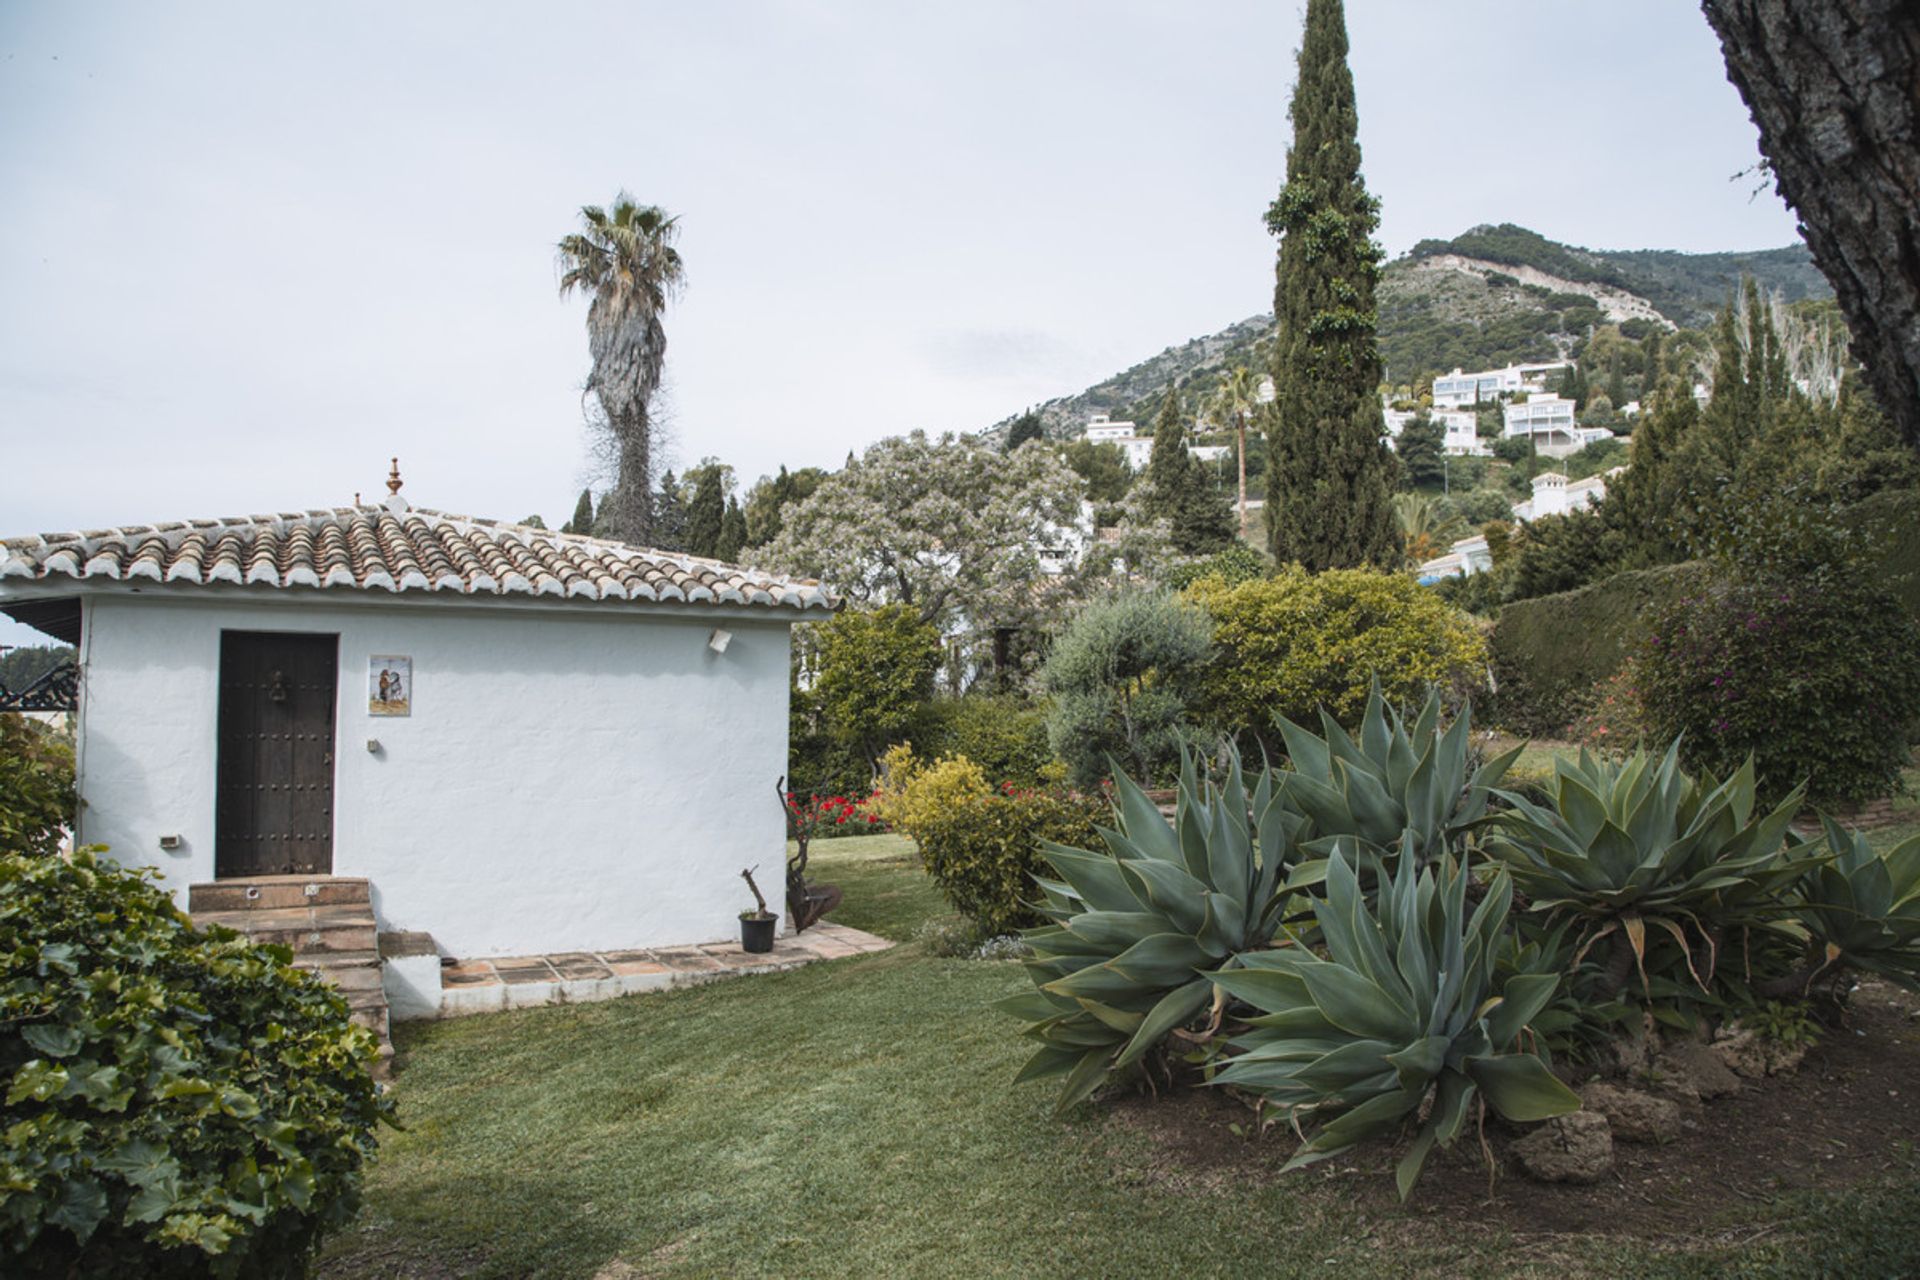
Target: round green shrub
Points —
{"points": [[1293, 643], [177, 1103], [1121, 676], [1816, 675], [980, 844], [1006, 736]]}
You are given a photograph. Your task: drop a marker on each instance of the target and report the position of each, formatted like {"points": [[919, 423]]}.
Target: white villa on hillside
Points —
{"points": [[1465, 558], [1462, 428], [1460, 390], [1138, 448], [1549, 419], [1553, 495]]}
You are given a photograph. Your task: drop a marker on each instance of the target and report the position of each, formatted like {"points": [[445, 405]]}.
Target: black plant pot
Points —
{"points": [[756, 933]]}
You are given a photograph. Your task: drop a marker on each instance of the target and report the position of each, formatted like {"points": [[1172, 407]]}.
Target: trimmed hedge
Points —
{"points": [[1550, 653], [1891, 521]]}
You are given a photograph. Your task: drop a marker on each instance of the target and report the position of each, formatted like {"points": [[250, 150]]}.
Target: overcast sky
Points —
{"points": [[250, 251]]}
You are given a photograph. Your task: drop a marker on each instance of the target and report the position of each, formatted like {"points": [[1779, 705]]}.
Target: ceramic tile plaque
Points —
{"points": [[389, 685]]}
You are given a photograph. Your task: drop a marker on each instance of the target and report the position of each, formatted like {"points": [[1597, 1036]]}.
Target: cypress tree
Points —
{"points": [[705, 512], [733, 532], [582, 521], [1026, 427], [1203, 519], [1422, 447], [669, 516], [1329, 477], [1168, 465]]}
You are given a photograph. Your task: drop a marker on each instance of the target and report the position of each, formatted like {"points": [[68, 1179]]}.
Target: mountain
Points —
{"points": [[1496, 295]]}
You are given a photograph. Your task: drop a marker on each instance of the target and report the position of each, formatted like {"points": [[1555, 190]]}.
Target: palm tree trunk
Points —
{"points": [[633, 490], [1240, 435], [1831, 86]]}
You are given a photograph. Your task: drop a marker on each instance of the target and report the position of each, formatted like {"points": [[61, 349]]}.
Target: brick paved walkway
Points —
{"points": [[517, 982]]}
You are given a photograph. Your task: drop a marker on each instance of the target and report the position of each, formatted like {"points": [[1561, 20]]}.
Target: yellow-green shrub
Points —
{"points": [[913, 792], [1289, 644], [980, 845]]}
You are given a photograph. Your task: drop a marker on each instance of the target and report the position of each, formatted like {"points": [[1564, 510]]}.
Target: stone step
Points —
{"points": [[347, 970], [270, 893], [306, 929]]}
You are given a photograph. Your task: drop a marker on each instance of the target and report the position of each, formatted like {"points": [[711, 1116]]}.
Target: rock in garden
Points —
{"points": [[1749, 1054], [1633, 1116], [1690, 1070], [1572, 1148]]}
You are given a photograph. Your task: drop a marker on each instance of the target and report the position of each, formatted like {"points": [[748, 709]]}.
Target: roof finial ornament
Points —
{"points": [[393, 478]]}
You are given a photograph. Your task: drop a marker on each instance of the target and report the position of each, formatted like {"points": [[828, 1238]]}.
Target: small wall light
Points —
{"points": [[169, 843], [373, 746], [720, 639]]}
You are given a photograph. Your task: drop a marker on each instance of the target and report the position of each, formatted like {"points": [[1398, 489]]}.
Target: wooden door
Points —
{"points": [[276, 754]]}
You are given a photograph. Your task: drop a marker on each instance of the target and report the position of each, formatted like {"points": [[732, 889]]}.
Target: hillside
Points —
{"points": [[1490, 297]]}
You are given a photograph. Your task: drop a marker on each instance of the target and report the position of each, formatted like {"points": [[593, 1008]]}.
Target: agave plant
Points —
{"points": [[1400, 1015], [1395, 780], [1860, 911], [1140, 930], [1635, 850]]}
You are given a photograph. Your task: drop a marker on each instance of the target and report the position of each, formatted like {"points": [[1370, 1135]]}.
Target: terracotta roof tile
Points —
{"points": [[398, 549]]}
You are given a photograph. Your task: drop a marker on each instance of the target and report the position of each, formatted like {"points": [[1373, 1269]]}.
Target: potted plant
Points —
{"points": [[756, 927]]}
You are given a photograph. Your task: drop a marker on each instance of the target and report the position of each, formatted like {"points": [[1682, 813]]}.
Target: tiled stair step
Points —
{"points": [[305, 929], [268, 893]]}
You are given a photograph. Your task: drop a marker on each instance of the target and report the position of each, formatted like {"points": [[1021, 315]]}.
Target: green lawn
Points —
{"points": [[856, 1118]]}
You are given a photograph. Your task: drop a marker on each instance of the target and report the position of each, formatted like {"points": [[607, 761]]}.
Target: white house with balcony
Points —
{"points": [[1549, 419], [1460, 390]]}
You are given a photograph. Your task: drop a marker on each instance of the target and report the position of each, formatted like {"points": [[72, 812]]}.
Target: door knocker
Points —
{"points": [[277, 692]]}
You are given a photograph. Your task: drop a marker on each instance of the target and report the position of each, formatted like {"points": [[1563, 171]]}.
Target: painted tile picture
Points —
{"points": [[389, 685]]}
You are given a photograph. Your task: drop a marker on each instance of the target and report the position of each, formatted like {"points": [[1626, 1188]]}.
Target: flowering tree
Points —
{"points": [[946, 525]]}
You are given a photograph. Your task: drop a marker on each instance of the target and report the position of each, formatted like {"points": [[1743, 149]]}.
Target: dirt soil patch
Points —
{"points": [[1850, 1114]]}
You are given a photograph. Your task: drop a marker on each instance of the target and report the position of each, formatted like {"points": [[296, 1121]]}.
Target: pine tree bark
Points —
{"points": [[1834, 86]]}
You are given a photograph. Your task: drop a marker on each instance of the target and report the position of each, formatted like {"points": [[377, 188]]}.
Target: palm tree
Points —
{"points": [[625, 258], [1232, 401], [1428, 525]]}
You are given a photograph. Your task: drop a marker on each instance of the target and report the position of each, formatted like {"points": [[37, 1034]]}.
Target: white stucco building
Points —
{"points": [[1461, 426], [1138, 448], [526, 742], [1460, 390], [1555, 495], [1463, 559]]}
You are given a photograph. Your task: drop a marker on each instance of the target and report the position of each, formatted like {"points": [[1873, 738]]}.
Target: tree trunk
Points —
{"points": [[632, 496], [1835, 88]]}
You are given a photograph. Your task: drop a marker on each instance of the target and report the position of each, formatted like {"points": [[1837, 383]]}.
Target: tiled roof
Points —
{"points": [[394, 548]]}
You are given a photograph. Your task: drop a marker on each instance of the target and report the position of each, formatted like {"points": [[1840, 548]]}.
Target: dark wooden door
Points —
{"points": [[276, 754]]}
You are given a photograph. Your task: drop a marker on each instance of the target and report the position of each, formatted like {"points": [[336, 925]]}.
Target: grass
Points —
{"points": [[880, 876], [856, 1118]]}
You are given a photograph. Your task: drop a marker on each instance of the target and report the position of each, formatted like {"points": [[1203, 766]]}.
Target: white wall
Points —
{"points": [[570, 779]]}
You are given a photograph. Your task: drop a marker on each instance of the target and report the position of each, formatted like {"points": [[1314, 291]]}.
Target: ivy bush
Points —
{"points": [[1288, 645], [36, 786], [1816, 675], [177, 1103]]}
